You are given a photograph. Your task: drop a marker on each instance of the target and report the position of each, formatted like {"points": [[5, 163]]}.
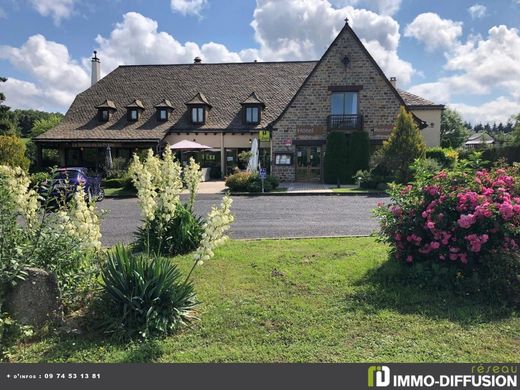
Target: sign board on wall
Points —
{"points": [[264, 136], [310, 130]]}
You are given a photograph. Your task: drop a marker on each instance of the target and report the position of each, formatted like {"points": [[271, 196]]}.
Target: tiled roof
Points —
{"points": [[224, 86], [413, 100]]}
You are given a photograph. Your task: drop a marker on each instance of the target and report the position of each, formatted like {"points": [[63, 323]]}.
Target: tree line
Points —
{"points": [[25, 123], [455, 132]]}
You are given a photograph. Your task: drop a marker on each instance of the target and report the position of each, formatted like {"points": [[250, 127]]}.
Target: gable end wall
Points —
{"points": [[378, 102]]}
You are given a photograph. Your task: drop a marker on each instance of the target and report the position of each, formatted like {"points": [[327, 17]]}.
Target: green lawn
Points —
{"points": [[315, 300], [119, 192], [356, 190]]}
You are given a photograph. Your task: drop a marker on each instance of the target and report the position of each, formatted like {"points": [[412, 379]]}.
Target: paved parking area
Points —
{"points": [[262, 216]]}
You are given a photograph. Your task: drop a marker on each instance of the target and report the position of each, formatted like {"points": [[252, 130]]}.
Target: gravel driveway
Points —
{"points": [[262, 217]]}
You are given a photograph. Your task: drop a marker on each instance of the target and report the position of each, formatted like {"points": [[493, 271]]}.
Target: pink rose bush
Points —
{"points": [[454, 217]]}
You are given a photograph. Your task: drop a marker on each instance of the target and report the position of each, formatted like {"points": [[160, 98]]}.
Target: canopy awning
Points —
{"points": [[189, 145]]}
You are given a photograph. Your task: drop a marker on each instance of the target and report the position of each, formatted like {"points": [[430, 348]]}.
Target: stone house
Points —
{"points": [[288, 106]]}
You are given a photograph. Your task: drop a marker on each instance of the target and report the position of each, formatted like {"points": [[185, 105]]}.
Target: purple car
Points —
{"points": [[65, 181]]}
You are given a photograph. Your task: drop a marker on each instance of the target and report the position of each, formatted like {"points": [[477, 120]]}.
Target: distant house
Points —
{"points": [[479, 141], [290, 107]]}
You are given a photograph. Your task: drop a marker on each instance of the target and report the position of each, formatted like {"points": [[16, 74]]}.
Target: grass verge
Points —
{"points": [[313, 300]]}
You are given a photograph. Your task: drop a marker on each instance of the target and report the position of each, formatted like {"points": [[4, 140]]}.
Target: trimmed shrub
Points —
{"points": [[510, 153], [250, 182], [238, 182], [144, 297], [358, 151], [336, 164], [447, 158], [12, 152], [447, 225]]}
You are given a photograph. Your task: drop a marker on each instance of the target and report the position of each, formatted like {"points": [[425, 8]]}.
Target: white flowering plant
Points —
{"points": [[143, 293], [66, 242], [169, 226]]}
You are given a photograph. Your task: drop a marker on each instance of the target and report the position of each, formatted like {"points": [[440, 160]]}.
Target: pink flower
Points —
{"points": [[409, 259], [435, 245], [397, 211], [430, 225], [465, 221], [506, 211], [464, 258]]}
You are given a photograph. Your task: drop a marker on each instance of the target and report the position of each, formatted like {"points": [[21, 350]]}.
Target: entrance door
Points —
{"points": [[308, 163]]}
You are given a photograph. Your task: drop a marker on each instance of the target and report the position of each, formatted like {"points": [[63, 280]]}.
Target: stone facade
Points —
{"points": [[305, 118]]}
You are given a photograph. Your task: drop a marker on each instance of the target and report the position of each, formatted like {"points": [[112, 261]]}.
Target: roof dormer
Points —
{"points": [[198, 109], [134, 110], [253, 107], [164, 108], [105, 109]]}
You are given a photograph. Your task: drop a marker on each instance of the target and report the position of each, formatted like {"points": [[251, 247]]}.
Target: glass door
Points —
{"points": [[308, 163]]}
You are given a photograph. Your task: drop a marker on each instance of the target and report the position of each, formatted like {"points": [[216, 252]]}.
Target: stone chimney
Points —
{"points": [[197, 60], [96, 69], [393, 80]]}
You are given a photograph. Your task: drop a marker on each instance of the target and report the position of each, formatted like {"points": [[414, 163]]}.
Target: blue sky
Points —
{"points": [[463, 53]]}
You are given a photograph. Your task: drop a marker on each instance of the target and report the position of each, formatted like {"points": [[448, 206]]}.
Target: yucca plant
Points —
{"points": [[181, 235], [144, 296]]}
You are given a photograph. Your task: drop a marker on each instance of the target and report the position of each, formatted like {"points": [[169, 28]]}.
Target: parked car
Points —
{"points": [[65, 182]]}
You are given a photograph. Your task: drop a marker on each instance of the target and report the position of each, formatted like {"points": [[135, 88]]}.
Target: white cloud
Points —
{"points": [[57, 74], [303, 29], [136, 40], [2, 14], [481, 66], [188, 7], [434, 32], [477, 11], [58, 9], [384, 7], [498, 110]]}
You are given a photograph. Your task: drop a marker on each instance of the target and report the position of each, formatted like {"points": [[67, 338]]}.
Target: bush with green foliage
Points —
{"points": [[181, 235], [12, 152], [144, 297], [119, 169], [39, 178], [447, 158], [452, 225], [250, 182], [403, 147], [336, 168]]}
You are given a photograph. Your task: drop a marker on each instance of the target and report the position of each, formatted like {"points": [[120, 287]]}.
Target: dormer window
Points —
{"points": [[197, 115], [133, 115], [163, 110], [104, 115], [198, 109], [163, 114], [105, 109], [252, 115], [253, 107], [134, 110]]}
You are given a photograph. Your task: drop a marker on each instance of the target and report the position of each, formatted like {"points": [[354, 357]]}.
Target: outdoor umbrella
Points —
{"points": [[188, 145], [108, 157]]}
